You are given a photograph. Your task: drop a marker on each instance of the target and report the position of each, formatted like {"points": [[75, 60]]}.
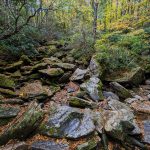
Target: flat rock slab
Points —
{"points": [[52, 72], [147, 131], [78, 74], [48, 145], [68, 122], [65, 66], [34, 90], [12, 101], [141, 107], [8, 112]]}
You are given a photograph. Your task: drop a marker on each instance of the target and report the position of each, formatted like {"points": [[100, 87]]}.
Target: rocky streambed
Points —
{"points": [[52, 102]]}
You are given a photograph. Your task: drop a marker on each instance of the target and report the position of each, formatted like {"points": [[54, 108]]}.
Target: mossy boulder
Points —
{"points": [[16, 74], [8, 93], [34, 90], [89, 145], [65, 66], [14, 66], [24, 126], [6, 82], [132, 77], [39, 66], [7, 114], [52, 72], [81, 103], [120, 90], [25, 59]]}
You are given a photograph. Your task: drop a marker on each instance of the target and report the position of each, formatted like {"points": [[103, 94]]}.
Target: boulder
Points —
{"points": [[7, 114], [81, 103], [6, 82], [94, 88], [17, 146], [12, 101], [89, 145], [110, 95], [78, 74], [141, 106], [15, 66], [68, 122], [132, 77], [95, 68], [39, 66], [65, 66], [35, 90], [8, 93], [49, 145], [147, 131], [120, 90], [52, 72], [24, 126]]}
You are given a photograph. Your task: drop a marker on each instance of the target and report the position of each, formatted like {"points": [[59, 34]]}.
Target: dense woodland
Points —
{"points": [[74, 74]]}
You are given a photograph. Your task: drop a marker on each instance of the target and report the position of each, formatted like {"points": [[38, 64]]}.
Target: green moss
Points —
{"points": [[7, 92], [6, 82], [14, 66]]}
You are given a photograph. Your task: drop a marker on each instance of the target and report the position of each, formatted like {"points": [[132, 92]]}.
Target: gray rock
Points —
{"points": [[120, 90], [94, 88], [81, 103], [78, 74], [65, 66], [17, 146], [110, 95], [147, 82], [68, 122], [8, 112], [48, 145], [147, 131]]}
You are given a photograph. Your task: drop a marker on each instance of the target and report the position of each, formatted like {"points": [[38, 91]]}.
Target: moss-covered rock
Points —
{"points": [[15, 66], [8, 93], [6, 82], [120, 90], [52, 72], [81, 103], [133, 77], [16, 74], [25, 59], [24, 126], [65, 66]]}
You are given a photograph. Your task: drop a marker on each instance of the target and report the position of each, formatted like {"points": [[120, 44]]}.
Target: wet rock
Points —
{"points": [[6, 82], [48, 145], [68, 122], [8, 93], [24, 126], [94, 88], [12, 101], [52, 72], [78, 74], [15, 66], [90, 145], [133, 77], [147, 131], [120, 90], [141, 106], [110, 95], [17, 146], [65, 66], [81, 103], [35, 90]]}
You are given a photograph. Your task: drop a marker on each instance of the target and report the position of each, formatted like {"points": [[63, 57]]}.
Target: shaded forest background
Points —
{"points": [[116, 30]]}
